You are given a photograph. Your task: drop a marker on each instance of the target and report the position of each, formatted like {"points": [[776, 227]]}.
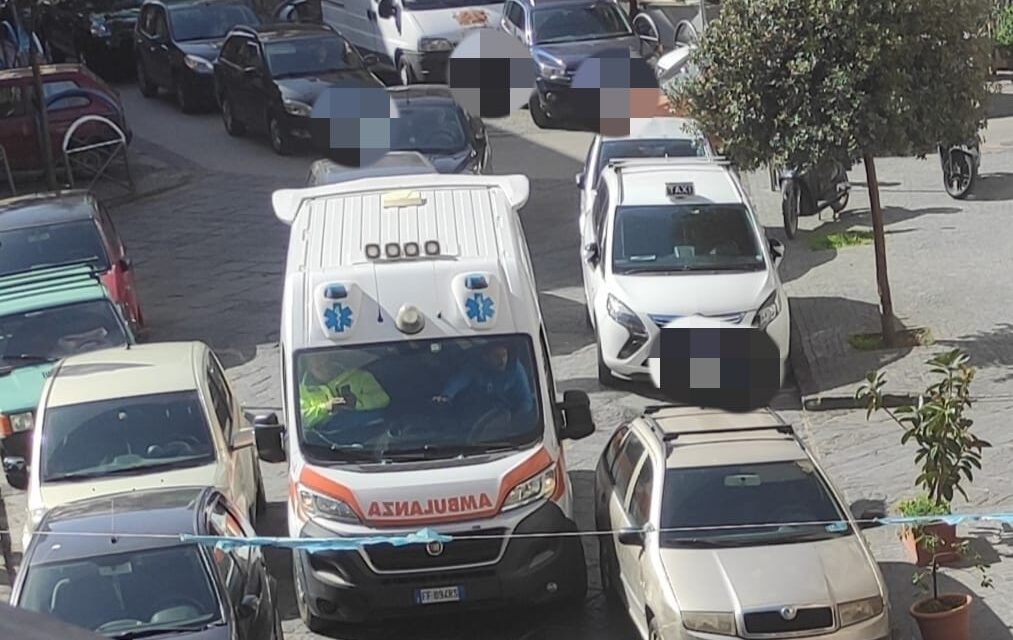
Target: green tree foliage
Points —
{"points": [[791, 81]]}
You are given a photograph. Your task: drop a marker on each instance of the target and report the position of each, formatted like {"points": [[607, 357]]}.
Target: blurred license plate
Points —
{"points": [[438, 594]]}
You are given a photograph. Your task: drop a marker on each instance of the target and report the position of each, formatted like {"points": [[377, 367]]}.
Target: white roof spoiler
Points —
{"points": [[287, 202]]}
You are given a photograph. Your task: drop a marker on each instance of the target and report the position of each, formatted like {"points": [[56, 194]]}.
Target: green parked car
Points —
{"points": [[45, 315]]}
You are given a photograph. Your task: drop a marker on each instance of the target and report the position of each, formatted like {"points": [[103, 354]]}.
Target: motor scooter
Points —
{"points": [[807, 192], [960, 168]]}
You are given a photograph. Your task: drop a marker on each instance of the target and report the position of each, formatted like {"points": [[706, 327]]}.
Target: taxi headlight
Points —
{"points": [[709, 622], [197, 63], [297, 108], [540, 486], [624, 316], [22, 421], [859, 610], [315, 504], [768, 311]]}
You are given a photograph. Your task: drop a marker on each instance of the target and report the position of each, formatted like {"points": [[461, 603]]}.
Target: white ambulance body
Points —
{"points": [[420, 281]]}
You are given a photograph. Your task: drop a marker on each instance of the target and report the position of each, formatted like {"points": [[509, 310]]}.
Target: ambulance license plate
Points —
{"points": [[438, 594]]}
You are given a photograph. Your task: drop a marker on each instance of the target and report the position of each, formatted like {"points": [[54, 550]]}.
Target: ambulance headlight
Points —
{"points": [[314, 504], [538, 487]]}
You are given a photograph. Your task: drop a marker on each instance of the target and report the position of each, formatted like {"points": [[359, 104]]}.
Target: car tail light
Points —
{"points": [[6, 430]]}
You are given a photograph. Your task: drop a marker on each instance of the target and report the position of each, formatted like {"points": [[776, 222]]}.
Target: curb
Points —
{"points": [[118, 201]]}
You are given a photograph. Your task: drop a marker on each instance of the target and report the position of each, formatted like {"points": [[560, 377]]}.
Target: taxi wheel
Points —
{"points": [[605, 377], [184, 97], [314, 623], [538, 114]]}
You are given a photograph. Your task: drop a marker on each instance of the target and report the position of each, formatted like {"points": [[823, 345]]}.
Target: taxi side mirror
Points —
{"points": [[385, 8], [591, 253], [776, 249], [269, 433], [577, 417], [242, 438], [870, 519], [579, 179]]}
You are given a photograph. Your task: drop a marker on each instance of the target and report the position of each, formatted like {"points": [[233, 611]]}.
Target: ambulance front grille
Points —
{"points": [[481, 547]]}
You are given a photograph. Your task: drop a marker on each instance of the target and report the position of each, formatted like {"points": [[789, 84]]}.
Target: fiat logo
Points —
{"points": [[436, 548], [789, 613]]}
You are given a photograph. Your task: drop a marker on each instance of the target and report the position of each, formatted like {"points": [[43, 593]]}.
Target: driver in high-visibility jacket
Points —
{"points": [[327, 389]]}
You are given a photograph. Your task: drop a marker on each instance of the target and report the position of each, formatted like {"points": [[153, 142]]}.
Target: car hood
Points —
{"points": [[450, 162], [57, 493], [455, 23], [687, 294], [308, 88], [827, 572], [207, 49], [573, 53], [20, 389]]}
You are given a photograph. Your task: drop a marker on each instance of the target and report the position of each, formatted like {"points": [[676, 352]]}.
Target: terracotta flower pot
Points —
{"points": [[953, 622], [945, 552]]}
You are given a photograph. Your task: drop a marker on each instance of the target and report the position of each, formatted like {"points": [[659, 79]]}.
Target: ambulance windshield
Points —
{"points": [[417, 399]]}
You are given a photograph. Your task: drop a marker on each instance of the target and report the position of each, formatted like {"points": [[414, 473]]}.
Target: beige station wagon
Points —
{"points": [[156, 415], [725, 526]]}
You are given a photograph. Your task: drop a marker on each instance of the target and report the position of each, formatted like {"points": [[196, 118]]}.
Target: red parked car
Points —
{"points": [[67, 227], [83, 93]]}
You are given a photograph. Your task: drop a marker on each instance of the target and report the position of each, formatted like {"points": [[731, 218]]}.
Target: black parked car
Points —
{"points": [[176, 44], [122, 585], [268, 79], [431, 122], [98, 33], [561, 35]]}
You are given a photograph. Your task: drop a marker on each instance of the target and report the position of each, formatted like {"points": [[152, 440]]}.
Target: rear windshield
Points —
{"points": [[657, 148], [63, 243], [208, 21]]}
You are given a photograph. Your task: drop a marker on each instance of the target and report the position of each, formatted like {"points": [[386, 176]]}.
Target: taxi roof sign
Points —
{"points": [[679, 189], [404, 198]]}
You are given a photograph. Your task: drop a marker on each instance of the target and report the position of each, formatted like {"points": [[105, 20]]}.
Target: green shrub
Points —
{"points": [[1004, 26]]}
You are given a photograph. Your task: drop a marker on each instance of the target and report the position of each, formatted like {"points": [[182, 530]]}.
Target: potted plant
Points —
{"points": [[917, 538], [945, 616], [947, 451]]}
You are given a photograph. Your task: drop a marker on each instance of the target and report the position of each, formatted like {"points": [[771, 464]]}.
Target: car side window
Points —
{"points": [[146, 24], [515, 15], [221, 397], [626, 462], [598, 213], [640, 501], [251, 56], [229, 564], [612, 448], [12, 102], [160, 26], [550, 381], [231, 49]]}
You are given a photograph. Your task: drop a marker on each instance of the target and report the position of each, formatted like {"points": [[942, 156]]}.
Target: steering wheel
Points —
{"points": [[488, 420], [169, 602], [180, 447]]}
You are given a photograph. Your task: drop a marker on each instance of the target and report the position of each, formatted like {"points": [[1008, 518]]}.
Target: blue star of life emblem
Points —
{"points": [[480, 308], [338, 317]]}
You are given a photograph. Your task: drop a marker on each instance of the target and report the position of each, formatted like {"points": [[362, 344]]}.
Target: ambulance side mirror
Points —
{"points": [[270, 437], [576, 408]]}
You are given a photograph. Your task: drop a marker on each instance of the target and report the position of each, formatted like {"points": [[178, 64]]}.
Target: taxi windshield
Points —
{"points": [[129, 592], [48, 245], [746, 504], [48, 335], [140, 434], [690, 237], [418, 399]]}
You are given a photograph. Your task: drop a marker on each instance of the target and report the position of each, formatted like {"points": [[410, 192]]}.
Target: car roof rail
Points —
{"points": [[671, 161], [785, 429]]}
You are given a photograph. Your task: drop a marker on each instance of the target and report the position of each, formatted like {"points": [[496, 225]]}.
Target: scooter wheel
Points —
{"points": [[959, 175]]}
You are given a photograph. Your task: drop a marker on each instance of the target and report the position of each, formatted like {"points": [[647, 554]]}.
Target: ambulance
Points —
{"points": [[418, 393]]}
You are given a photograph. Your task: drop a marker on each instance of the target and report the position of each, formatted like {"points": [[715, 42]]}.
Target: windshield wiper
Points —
{"points": [[701, 542], [82, 475], [157, 631], [28, 357]]}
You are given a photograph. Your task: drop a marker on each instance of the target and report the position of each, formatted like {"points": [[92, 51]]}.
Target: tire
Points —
{"points": [[184, 97], [314, 623], [233, 126], [959, 175], [279, 141], [541, 119], [606, 567], [404, 72], [605, 376], [791, 204], [144, 83]]}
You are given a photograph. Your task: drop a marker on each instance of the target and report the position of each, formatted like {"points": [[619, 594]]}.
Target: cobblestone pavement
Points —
{"points": [[210, 257]]}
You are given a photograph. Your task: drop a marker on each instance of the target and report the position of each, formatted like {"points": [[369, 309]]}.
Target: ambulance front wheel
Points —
{"points": [[313, 622]]}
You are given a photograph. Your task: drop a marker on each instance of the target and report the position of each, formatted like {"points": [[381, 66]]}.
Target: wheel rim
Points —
{"points": [[180, 94], [276, 141], [227, 114]]}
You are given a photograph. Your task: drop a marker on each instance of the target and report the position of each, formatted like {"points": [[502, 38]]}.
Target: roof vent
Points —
{"points": [[409, 320], [393, 250], [432, 248], [411, 249], [372, 251], [475, 282]]}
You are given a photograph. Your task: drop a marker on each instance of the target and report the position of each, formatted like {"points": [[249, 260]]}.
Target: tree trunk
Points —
{"points": [[40, 96], [886, 317]]}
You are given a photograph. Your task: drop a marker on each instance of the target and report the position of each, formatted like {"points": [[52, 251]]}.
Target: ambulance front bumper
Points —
{"points": [[385, 581]]}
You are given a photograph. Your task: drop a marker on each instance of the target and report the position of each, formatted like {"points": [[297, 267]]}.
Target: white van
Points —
{"points": [[418, 393], [415, 37]]}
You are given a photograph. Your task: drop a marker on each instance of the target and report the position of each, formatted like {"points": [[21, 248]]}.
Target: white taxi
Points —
{"points": [[673, 238], [141, 417]]}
